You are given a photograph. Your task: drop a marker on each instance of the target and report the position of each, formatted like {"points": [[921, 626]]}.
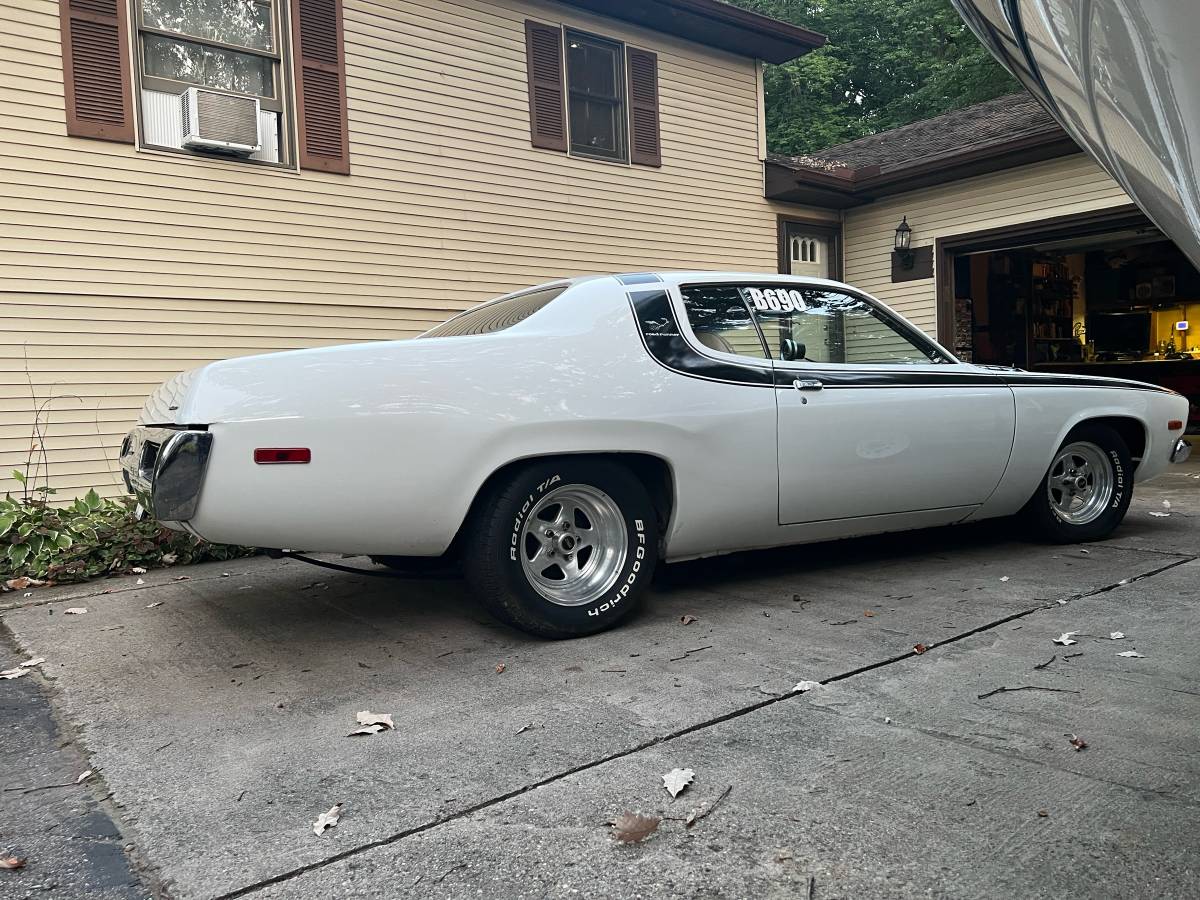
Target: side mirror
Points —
{"points": [[790, 349]]}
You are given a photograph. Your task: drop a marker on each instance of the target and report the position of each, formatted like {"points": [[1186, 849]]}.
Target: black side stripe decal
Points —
{"points": [[663, 340], [660, 334]]}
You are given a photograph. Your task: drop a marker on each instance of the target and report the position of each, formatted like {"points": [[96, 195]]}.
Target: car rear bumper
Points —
{"points": [[164, 468], [1181, 451]]}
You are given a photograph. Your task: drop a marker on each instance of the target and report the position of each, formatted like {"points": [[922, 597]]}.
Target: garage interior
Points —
{"points": [[1123, 303]]}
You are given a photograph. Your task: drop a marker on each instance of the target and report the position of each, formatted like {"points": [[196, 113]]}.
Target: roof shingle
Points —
{"points": [[994, 122]]}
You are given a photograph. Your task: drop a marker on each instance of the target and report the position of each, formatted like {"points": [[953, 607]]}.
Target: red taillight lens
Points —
{"points": [[273, 456], [1175, 425]]}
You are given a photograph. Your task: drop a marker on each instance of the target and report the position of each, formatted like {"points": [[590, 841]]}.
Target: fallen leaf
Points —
{"points": [[1167, 505], [327, 820], [868, 613], [368, 729], [1085, 551], [500, 668], [1132, 654], [12, 862], [1159, 515], [687, 620], [370, 718], [633, 828], [1116, 635], [919, 648], [140, 581], [30, 663], [138, 570], [1076, 741], [803, 687], [75, 611], [10, 674], [1042, 814], [84, 777], [169, 559], [676, 780], [523, 728], [182, 578], [1004, 578], [19, 584], [1066, 638], [154, 604]]}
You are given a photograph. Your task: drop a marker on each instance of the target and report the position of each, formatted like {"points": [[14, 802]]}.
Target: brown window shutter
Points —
{"points": [[645, 147], [547, 92], [96, 80], [321, 85]]}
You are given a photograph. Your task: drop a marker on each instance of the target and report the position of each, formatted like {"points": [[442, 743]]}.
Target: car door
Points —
{"points": [[873, 418]]}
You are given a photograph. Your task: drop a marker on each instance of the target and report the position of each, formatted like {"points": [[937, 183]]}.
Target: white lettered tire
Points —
{"points": [[1085, 492], [563, 547]]}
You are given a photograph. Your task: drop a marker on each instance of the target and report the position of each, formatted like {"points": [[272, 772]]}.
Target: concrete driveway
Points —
{"points": [[215, 713]]}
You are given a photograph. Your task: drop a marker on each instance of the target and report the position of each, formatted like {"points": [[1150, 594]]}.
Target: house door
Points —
{"points": [[810, 250]]}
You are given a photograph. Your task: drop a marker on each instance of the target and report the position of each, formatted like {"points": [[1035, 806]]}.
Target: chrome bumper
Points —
{"points": [[164, 468], [1181, 451]]}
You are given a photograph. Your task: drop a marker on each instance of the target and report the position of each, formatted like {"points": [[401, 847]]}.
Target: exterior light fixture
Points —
{"points": [[903, 246]]}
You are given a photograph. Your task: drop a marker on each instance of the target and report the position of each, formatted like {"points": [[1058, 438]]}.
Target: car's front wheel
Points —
{"points": [[1086, 491], [562, 547]]}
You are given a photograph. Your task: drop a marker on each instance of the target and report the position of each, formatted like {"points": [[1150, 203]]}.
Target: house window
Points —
{"points": [[230, 47], [596, 96]]}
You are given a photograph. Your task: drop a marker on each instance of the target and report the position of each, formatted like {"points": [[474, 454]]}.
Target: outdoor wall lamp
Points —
{"points": [[903, 247]]}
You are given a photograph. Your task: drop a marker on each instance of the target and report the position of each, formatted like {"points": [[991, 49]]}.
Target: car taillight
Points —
{"points": [[273, 456], [1175, 425]]}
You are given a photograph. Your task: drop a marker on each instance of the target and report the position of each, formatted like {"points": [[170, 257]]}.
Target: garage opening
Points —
{"points": [[1116, 299]]}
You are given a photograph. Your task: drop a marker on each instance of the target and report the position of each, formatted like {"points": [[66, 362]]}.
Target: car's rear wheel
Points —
{"points": [[562, 547], [1085, 493]]}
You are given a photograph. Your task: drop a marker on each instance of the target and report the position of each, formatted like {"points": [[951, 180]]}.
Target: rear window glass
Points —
{"points": [[497, 315]]}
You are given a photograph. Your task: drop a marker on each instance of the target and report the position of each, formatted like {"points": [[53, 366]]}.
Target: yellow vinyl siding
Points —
{"points": [[120, 267], [1059, 187]]}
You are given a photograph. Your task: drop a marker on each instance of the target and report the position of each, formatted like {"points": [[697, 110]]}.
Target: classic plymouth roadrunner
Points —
{"points": [[560, 441]]}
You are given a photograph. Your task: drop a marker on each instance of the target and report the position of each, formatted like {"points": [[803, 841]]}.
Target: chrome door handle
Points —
{"points": [[807, 384]]}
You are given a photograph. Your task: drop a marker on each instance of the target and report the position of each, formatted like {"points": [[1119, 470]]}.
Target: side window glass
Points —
{"points": [[720, 319], [821, 326]]}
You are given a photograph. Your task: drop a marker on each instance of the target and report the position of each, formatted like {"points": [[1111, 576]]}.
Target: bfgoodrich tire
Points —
{"points": [[563, 547], [1085, 493]]}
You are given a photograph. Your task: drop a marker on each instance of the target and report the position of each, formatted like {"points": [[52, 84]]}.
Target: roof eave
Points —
{"points": [[855, 187], [714, 24]]}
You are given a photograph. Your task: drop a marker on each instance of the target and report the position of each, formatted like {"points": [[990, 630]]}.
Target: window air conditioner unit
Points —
{"points": [[221, 123]]}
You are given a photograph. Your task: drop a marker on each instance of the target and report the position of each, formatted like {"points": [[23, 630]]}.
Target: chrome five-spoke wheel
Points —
{"points": [[1080, 483], [573, 545]]}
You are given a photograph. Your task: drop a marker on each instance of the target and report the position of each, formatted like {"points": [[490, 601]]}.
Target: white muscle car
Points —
{"points": [[559, 442]]}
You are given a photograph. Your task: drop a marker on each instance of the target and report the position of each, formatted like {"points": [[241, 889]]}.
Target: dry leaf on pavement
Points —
{"points": [[676, 780], [368, 729], [919, 648], [75, 611], [154, 604], [1132, 654], [1005, 578], [327, 820], [1116, 635], [868, 613], [1159, 515], [138, 570], [370, 718], [12, 862], [687, 620], [805, 686], [632, 828], [1076, 741], [10, 674], [500, 668], [84, 777], [1067, 638]]}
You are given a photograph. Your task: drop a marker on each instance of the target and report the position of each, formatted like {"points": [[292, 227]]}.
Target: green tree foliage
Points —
{"points": [[887, 63]]}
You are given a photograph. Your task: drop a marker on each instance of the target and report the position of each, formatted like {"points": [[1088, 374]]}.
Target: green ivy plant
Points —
{"points": [[89, 537]]}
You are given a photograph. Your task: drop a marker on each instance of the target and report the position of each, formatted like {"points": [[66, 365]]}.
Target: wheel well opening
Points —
{"points": [[652, 471], [1132, 432]]}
